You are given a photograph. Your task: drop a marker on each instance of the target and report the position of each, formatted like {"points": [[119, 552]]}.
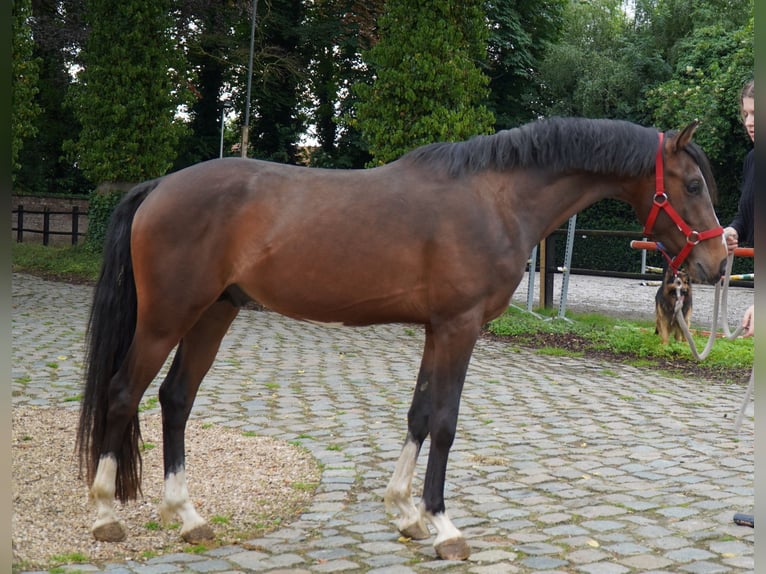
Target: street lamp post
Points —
{"points": [[224, 106], [246, 127]]}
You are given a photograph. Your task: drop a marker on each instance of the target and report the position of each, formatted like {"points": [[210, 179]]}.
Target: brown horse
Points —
{"points": [[439, 237]]}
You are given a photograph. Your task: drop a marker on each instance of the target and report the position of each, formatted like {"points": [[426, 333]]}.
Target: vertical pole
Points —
{"points": [[550, 269], [246, 127], [20, 225], [567, 266], [223, 119], [75, 223], [543, 274], [46, 225]]}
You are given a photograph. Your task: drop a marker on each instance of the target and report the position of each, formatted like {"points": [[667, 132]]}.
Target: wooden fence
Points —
{"points": [[49, 224]]}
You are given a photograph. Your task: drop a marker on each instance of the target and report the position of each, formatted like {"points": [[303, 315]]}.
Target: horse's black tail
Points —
{"points": [[111, 327]]}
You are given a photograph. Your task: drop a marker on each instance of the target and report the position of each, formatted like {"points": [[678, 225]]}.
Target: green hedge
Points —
{"points": [[100, 208]]}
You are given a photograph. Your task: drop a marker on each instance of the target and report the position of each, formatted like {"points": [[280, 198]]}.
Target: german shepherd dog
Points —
{"points": [[674, 287]]}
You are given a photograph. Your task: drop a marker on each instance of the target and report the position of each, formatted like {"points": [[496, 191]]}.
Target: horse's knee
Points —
{"points": [[443, 432]]}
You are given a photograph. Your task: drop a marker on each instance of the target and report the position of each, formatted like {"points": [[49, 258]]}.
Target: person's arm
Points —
{"points": [[748, 322]]}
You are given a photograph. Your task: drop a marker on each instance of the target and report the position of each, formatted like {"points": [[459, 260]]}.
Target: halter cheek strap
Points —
{"points": [[661, 203]]}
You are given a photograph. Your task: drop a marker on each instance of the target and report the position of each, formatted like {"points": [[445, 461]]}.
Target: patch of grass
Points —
{"points": [[631, 342], [58, 263], [219, 519], [148, 404], [70, 558], [152, 525], [558, 352], [304, 485]]}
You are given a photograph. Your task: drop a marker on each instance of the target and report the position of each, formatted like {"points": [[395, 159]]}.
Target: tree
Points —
{"points": [[278, 76], [24, 84], [336, 34], [129, 91], [214, 54], [713, 66], [57, 30], [428, 85], [520, 33], [598, 69]]}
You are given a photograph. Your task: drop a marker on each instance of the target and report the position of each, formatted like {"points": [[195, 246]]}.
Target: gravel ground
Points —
{"points": [[52, 515]]}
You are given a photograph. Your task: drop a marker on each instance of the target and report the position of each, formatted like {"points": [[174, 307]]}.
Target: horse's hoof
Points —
{"points": [[455, 549], [199, 534], [416, 531], [110, 532]]}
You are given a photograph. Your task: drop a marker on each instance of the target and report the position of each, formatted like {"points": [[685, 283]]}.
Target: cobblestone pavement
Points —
{"points": [[560, 464]]}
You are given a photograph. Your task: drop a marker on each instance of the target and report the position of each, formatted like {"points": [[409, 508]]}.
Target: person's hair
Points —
{"points": [[748, 91]]}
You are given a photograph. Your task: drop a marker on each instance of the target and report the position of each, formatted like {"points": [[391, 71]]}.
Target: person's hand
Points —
{"points": [[748, 322], [732, 239]]}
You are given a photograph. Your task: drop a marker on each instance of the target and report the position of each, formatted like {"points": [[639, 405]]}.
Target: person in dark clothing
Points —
{"points": [[741, 228]]}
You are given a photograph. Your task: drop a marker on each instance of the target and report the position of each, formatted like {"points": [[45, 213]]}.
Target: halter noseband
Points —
{"points": [[660, 203]]}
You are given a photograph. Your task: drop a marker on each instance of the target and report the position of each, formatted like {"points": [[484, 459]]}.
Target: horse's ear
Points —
{"points": [[685, 137]]}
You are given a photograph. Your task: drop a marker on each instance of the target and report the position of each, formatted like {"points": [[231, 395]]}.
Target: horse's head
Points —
{"points": [[680, 215]]}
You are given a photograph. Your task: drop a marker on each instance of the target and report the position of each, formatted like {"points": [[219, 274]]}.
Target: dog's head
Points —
{"points": [[676, 283]]}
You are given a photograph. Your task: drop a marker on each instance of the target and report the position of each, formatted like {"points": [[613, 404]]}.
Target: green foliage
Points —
{"points": [[428, 86], [24, 85], [596, 69], [279, 72], [128, 92], [519, 34], [713, 66], [336, 33], [630, 340], [100, 208], [65, 263]]}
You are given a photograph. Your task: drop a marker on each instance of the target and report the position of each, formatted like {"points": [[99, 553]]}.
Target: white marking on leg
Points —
{"points": [[102, 491], [398, 495], [445, 530], [176, 502]]}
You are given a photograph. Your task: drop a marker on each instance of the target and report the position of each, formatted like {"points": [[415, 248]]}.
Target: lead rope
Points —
{"points": [[720, 300], [679, 316]]}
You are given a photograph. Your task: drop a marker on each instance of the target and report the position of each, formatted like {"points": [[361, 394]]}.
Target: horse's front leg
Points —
{"points": [[195, 354], [398, 497], [453, 345]]}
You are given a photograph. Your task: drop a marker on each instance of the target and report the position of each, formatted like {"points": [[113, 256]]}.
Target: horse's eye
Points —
{"points": [[694, 187]]}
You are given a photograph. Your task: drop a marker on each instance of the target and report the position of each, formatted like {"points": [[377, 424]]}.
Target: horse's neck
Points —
{"points": [[542, 205]]}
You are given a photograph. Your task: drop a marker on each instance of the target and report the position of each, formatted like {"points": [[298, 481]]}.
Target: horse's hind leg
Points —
{"points": [[398, 496], [126, 388], [194, 356]]}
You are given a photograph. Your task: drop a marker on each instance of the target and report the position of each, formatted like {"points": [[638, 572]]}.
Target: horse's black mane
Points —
{"points": [[558, 144]]}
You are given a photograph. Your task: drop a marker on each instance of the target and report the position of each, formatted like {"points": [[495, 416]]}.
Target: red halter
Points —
{"points": [[661, 202]]}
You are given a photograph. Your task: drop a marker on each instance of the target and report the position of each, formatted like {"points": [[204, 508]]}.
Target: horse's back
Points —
{"points": [[356, 246]]}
